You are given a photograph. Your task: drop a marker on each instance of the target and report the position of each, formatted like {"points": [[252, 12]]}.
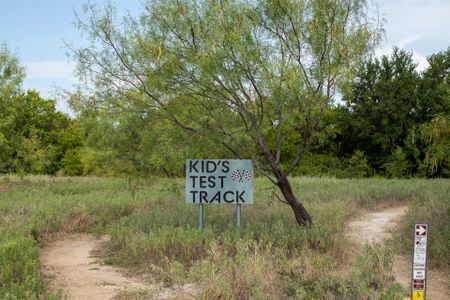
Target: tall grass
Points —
{"points": [[432, 206], [154, 232]]}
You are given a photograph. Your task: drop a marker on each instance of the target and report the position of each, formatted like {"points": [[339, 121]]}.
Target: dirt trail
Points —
{"points": [[69, 265], [374, 227]]}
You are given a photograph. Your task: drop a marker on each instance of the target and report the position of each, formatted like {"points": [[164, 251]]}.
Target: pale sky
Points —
{"points": [[36, 30], [419, 26]]}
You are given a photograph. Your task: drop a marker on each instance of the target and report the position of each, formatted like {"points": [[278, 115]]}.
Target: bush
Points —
{"points": [[19, 268], [398, 165], [71, 163], [357, 166], [320, 165]]}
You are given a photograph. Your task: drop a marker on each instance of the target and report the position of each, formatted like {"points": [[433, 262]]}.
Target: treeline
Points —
{"points": [[394, 122], [34, 137], [391, 120]]}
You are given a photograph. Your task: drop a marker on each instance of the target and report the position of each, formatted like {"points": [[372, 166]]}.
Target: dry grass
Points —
{"points": [[153, 230]]}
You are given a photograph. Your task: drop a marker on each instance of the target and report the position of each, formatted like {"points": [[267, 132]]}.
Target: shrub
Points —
{"points": [[19, 268], [357, 166], [71, 163], [398, 165]]}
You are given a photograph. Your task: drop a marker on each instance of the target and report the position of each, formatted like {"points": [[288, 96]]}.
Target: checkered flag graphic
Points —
{"points": [[238, 175], [246, 174]]}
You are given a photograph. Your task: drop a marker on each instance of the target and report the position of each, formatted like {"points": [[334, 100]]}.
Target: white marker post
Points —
{"points": [[419, 274]]}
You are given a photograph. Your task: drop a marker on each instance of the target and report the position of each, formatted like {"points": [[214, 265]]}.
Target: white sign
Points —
{"points": [[219, 181], [419, 258]]}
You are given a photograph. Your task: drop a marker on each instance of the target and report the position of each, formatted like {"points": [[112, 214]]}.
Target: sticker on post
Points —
{"points": [[418, 295]]}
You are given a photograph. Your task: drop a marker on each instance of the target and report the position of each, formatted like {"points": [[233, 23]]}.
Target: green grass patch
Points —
{"points": [[152, 230]]}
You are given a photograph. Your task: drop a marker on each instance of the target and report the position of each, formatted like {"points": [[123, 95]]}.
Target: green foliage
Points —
{"points": [[34, 137], [139, 145], [71, 163], [357, 166], [434, 88], [380, 105], [28, 131], [11, 75], [396, 116], [427, 146], [387, 111], [246, 77], [19, 268], [320, 165], [398, 165], [181, 82], [436, 136]]}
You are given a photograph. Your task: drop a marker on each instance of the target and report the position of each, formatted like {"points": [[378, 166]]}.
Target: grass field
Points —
{"points": [[154, 232]]}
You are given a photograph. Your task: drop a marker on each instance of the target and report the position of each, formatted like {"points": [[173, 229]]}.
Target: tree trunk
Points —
{"points": [[301, 215]]}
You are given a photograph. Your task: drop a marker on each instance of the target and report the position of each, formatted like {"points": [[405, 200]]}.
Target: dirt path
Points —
{"points": [[374, 227], [69, 265]]}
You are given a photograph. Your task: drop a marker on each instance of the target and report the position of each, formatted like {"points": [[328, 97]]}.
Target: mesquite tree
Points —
{"points": [[246, 73]]}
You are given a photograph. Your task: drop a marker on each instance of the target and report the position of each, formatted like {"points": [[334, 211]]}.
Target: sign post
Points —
{"points": [[219, 181], [200, 216], [238, 215], [418, 283]]}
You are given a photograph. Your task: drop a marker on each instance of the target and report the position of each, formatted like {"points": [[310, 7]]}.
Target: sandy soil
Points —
{"points": [[69, 265], [374, 227]]}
